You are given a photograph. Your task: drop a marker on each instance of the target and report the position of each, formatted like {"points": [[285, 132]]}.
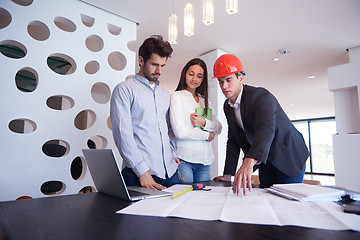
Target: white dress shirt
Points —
{"points": [[236, 106], [191, 142]]}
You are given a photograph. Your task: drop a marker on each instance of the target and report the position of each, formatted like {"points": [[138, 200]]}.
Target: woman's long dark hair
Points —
{"points": [[202, 90]]}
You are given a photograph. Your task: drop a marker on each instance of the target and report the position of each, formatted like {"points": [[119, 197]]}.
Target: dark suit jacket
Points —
{"points": [[268, 136]]}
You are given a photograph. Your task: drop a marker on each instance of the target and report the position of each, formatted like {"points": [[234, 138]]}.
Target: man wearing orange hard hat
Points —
{"points": [[260, 128]]}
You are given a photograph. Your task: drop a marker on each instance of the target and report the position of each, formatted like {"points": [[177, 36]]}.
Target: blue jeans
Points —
{"points": [[193, 172], [269, 175], [132, 180]]}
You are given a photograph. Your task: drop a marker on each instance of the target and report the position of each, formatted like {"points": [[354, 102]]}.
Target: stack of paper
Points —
{"points": [[306, 192]]}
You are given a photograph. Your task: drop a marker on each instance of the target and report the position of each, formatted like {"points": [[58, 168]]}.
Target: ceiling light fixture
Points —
{"points": [[284, 51], [173, 32], [208, 12], [189, 19], [311, 77], [231, 6], [276, 59]]}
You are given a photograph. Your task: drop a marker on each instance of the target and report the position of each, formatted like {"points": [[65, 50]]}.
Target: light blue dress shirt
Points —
{"points": [[139, 118]]}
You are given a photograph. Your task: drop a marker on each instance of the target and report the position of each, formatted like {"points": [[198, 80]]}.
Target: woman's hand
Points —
{"points": [[211, 136], [197, 120]]}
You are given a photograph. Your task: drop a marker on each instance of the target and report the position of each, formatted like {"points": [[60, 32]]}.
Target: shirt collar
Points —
{"points": [[144, 80], [238, 99]]}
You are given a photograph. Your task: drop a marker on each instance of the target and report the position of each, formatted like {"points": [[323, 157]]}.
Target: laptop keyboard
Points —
{"points": [[133, 193]]}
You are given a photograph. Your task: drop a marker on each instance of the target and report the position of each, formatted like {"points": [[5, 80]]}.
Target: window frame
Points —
{"points": [[311, 160]]}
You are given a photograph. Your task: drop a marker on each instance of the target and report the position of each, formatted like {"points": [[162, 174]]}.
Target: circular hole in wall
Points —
{"points": [[100, 92], [5, 18], [94, 43], [117, 61], [92, 67], [133, 46], [65, 24], [100, 141], [60, 102], [91, 144], [52, 187], [23, 197], [84, 119], [87, 189], [61, 64], [55, 148], [108, 122], [115, 30], [87, 20], [12, 49], [23, 2], [22, 125], [77, 168], [26, 79], [38, 30]]}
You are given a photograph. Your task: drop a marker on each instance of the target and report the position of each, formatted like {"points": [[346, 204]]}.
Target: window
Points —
{"points": [[318, 137]]}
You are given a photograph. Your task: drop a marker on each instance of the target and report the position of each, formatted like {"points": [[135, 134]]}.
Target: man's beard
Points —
{"points": [[152, 77]]}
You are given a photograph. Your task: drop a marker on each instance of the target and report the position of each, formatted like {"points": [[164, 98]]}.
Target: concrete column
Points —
{"points": [[344, 82]]}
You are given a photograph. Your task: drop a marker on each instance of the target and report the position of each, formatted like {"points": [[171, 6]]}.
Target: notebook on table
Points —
{"points": [[108, 179]]}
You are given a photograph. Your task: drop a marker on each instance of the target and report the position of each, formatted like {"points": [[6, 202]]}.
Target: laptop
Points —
{"points": [[108, 179]]}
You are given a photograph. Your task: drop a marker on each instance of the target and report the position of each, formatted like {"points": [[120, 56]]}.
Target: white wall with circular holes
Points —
{"points": [[59, 62]]}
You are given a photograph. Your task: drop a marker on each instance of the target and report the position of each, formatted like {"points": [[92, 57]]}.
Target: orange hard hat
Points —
{"points": [[227, 64]]}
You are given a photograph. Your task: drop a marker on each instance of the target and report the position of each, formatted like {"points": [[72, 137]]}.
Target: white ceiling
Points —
{"points": [[317, 31]]}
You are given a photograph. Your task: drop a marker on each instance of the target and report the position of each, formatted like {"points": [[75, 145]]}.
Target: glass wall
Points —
{"points": [[318, 137]]}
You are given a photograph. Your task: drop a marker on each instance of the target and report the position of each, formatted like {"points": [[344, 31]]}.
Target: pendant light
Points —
{"points": [[189, 20], [208, 12], [231, 6], [173, 31]]}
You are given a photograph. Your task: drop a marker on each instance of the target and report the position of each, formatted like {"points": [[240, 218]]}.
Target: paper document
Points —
{"points": [[258, 207], [306, 192]]}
